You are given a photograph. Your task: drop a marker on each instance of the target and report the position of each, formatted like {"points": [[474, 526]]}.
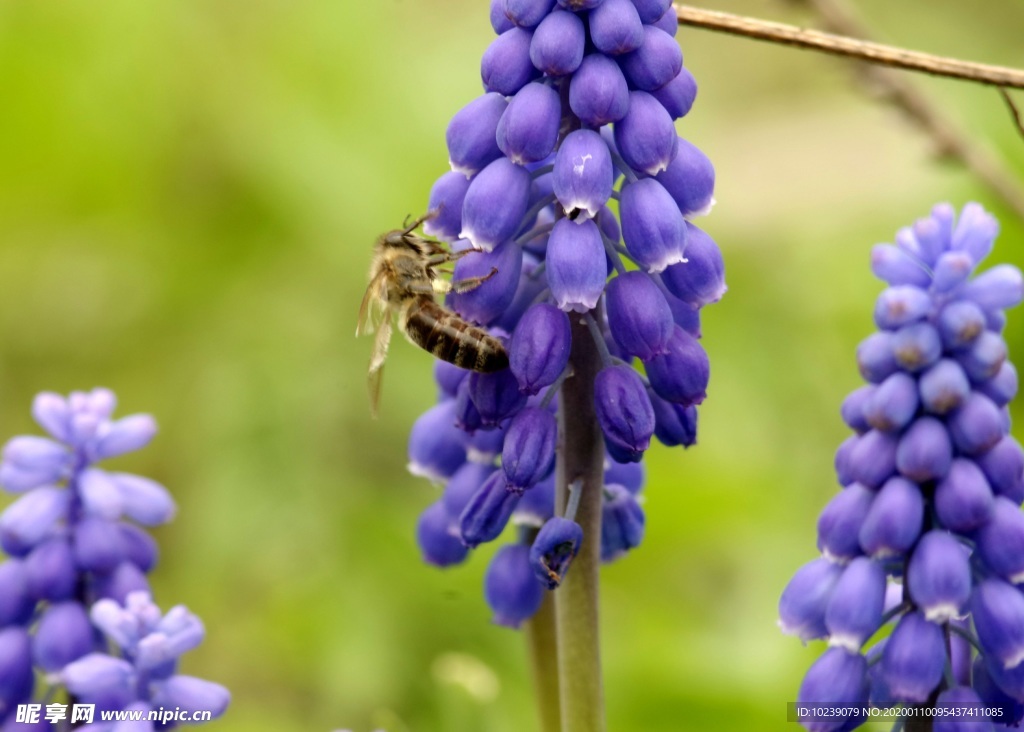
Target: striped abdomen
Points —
{"points": [[450, 338]]}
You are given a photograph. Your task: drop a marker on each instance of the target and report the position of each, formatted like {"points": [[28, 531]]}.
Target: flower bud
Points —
{"points": [[837, 683], [622, 523], [52, 413], [64, 634], [975, 232], [939, 577], [188, 692], [537, 505], [892, 405], [983, 681], [125, 435], [28, 520], [896, 267], [960, 323], [1000, 541], [558, 44], [139, 547], [583, 174], [529, 452], [998, 288], [650, 10], [557, 544], [655, 63], [471, 147], [100, 494], [700, 280], [527, 13], [681, 375], [576, 265], [506, 67], [654, 232], [674, 424], [916, 346], [901, 305], [1003, 465], [510, 587], [96, 544], [50, 572], [803, 602], [997, 608], [624, 412], [852, 408], [977, 426], [16, 603], [528, 129], [914, 657], [963, 499], [893, 522], [873, 458], [496, 396], [448, 377], [840, 522], [854, 612], [949, 711], [944, 387], [1002, 387], [678, 95], [685, 316], [842, 461], [438, 539], [539, 350], [43, 458], [925, 451], [598, 92], [629, 475], [118, 584], [984, 358], [143, 500], [690, 180], [16, 680], [97, 675], [436, 447], [466, 416], [951, 270], [876, 359], [640, 319], [495, 204], [615, 27], [487, 513], [490, 299], [646, 136], [446, 198]]}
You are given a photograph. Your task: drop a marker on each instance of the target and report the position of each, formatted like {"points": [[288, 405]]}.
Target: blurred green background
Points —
{"points": [[189, 192]]}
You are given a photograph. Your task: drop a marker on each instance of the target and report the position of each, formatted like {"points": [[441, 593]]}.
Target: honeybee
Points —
{"points": [[403, 280]]}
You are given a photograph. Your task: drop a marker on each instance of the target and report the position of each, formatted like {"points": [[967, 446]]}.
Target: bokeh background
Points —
{"points": [[189, 192]]}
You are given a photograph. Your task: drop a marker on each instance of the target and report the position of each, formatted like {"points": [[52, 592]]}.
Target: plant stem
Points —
{"points": [[541, 639], [581, 457]]}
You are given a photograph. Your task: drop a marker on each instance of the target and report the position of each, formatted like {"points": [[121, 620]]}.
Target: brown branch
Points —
{"points": [[841, 46]]}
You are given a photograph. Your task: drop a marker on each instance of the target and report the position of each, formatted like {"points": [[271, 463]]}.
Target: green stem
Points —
{"points": [[541, 639], [581, 457]]}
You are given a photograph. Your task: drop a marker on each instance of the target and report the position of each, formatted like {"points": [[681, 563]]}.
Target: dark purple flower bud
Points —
{"points": [[124, 580], [615, 27], [629, 475], [916, 346], [624, 412], [466, 416], [558, 43], [674, 424], [650, 10], [700, 279], [995, 289], [448, 377], [537, 504], [690, 180], [997, 608], [495, 204], [840, 522], [901, 305], [873, 458], [944, 387], [638, 315], [510, 587], [977, 426], [16, 678], [963, 499], [438, 538], [471, 148], [499, 21], [1000, 541], [803, 602], [913, 659], [1003, 465], [893, 522], [993, 696], [949, 712], [939, 577], [655, 63], [506, 67], [464, 485], [490, 299], [532, 282], [64, 635], [875, 357], [488, 512], [576, 265], [445, 203], [681, 375], [28, 520], [925, 451], [539, 350], [852, 408], [188, 692], [598, 92], [622, 523], [1002, 387], [842, 461], [529, 452], [16, 603], [678, 95], [896, 267], [837, 682], [646, 136], [583, 174], [960, 323], [892, 404], [654, 232], [984, 358], [139, 547], [685, 316], [528, 129], [96, 544], [527, 13], [484, 446], [50, 572], [436, 447], [557, 544], [496, 396], [854, 612]]}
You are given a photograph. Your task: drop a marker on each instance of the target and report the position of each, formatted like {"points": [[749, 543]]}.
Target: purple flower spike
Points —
{"points": [[700, 280], [963, 499], [646, 136], [913, 658], [892, 404], [639, 317], [650, 10], [678, 95], [925, 451], [949, 712], [977, 426], [527, 13], [489, 300], [655, 63], [1001, 540], [598, 92], [471, 137], [576, 265], [496, 396], [529, 452], [436, 447], [437, 538], [506, 67], [674, 424], [488, 512], [873, 458], [944, 387], [960, 323], [901, 305], [998, 611], [840, 522], [510, 587], [528, 129], [622, 523], [803, 602], [446, 199], [615, 27], [624, 412], [539, 351], [654, 232], [894, 520], [495, 204], [583, 174], [557, 544], [1003, 466], [64, 635], [876, 358], [558, 44], [681, 375], [837, 680], [939, 577], [917, 346], [998, 288]]}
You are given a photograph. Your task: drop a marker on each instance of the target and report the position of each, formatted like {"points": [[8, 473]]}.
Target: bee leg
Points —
{"points": [[443, 257], [409, 228], [470, 283]]}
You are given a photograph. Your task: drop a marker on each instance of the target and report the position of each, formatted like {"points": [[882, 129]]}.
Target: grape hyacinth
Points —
{"points": [[577, 119], [76, 548], [932, 484]]}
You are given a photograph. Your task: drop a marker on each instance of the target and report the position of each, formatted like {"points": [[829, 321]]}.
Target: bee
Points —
{"points": [[403, 280]]}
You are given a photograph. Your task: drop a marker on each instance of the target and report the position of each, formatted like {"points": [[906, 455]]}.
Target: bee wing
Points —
{"points": [[380, 352], [372, 307]]}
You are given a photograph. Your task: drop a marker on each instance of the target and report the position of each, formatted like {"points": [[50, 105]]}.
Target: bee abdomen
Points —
{"points": [[452, 339]]}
